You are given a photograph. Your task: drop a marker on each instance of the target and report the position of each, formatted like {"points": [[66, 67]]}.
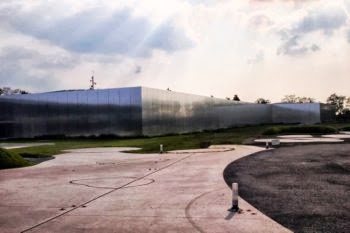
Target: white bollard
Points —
{"points": [[234, 207], [161, 148], [267, 145]]}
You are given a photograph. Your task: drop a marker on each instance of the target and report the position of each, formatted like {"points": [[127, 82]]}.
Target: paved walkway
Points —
{"points": [[104, 190]]}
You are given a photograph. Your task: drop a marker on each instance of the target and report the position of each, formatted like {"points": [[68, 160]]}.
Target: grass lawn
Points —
{"points": [[9, 159], [238, 135], [147, 145]]}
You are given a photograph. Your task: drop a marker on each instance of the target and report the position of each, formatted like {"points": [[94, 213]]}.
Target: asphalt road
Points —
{"points": [[305, 187]]}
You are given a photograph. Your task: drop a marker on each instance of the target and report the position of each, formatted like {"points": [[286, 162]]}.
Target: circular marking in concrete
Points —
{"points": [[110, 182], [188, 207]]}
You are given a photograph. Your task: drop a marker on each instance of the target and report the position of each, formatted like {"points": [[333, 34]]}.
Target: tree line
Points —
{"points": [[10, 91], [291, 99], [340, 102]]}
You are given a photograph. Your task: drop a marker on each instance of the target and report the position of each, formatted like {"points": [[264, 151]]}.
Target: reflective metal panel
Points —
{"points": [[137, 111], [166, 112], [72, 113], [328, 113], [296, 113]]}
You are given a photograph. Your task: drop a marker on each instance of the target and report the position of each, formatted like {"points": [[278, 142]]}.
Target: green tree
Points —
{"points": [[338, 101], [262, 101], [290, 99], [9, 91], [303, 100], [236, 98], [297, 100]]}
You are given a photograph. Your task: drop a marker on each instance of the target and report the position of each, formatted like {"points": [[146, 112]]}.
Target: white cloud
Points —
{"points": [[203, 47], [98, 31], [30, 69], [259, 57], [318, 18], [326, 20], [293, 47]]}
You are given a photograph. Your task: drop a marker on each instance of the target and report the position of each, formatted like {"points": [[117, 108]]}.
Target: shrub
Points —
{"points": [[204, 144], [309, 129], [33, 155], [272, 131], [10, 159], [345, 128]]}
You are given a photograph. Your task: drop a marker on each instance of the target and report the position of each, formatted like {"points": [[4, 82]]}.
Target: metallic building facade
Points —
{"points": [[308, 113], [72, 113], [166, 112], [136, 111]]}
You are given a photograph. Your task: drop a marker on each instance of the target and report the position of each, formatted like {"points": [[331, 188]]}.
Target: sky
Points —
{"points": [[253, 48]]}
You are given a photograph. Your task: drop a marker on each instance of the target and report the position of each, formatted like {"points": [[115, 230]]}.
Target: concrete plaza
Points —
{"points": [[105, 190]]}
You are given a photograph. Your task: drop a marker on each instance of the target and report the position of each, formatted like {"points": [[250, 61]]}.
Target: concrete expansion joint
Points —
{"points": [[82, 182], [200, 151]]}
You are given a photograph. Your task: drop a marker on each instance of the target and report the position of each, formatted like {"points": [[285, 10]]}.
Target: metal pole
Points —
{"points": [[234, 207], [161, 148]]}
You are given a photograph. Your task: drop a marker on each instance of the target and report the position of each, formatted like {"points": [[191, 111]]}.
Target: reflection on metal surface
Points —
{"points": [[72, 113], [165, 112], [327, 113], [308, 113], [137, 111]]}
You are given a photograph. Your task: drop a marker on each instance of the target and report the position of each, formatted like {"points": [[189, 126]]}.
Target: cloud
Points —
{"points": [[138, 69], [321, 19], [315, 47], [205, 2], [259, 21], [326, 20], [30, 69], [15, 76], [293, 47], [282, 1], [98, 31], [347, 5], [38, 60], [169, 38], [259, 57]]}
